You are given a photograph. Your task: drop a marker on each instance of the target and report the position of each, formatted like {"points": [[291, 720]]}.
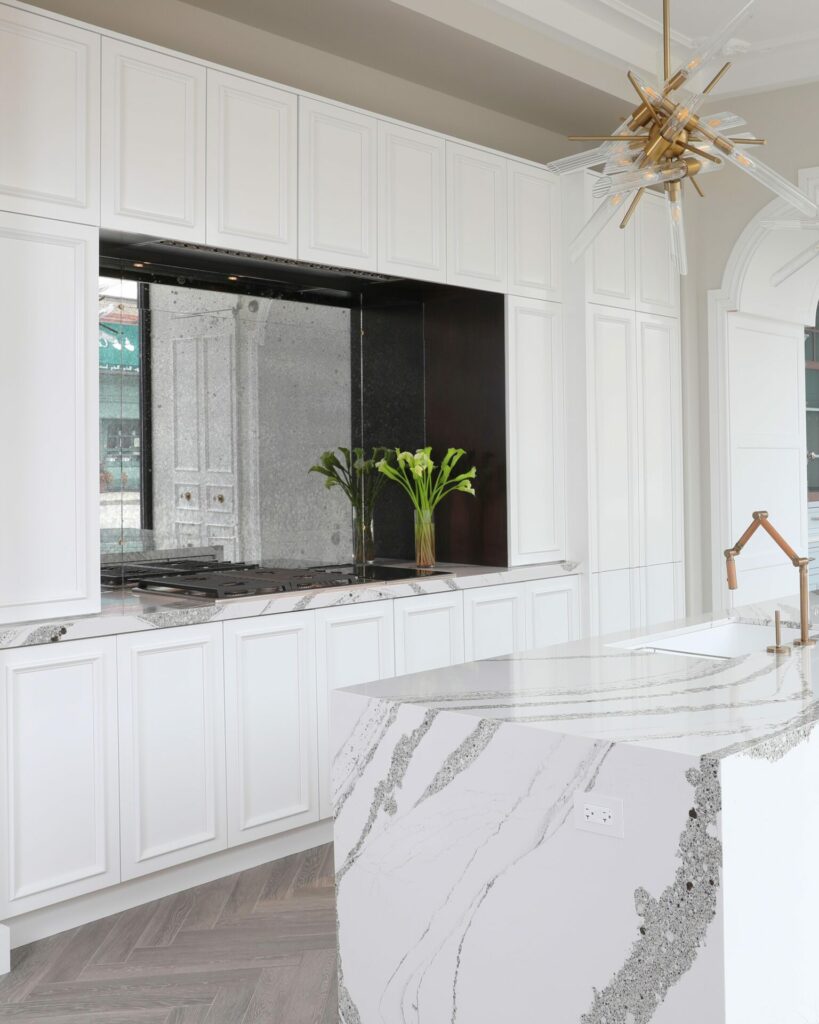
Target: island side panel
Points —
{"points": [[466, 893], [771, 890]]}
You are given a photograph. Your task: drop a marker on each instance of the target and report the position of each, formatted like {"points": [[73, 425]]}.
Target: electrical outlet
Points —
{"points": [[600, 814]]}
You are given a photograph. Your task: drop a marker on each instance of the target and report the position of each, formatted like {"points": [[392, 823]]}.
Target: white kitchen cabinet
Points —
{"points": [[494, 621], [611, 273], [616, 604], [552, 611], [429, 632], [411, 203], [477, 217], [59, 833], [354, 644], [640, 598], [657, 279], [662, 593], [270, 718], [50, 118], [252, 165], [338, 194], [659, 440], [171, 747], [613, 443], [535, 252], [153, 142], [49, 430], [535, 431]]}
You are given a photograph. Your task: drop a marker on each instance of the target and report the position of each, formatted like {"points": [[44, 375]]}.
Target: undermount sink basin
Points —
{"points": [[722, 639]]}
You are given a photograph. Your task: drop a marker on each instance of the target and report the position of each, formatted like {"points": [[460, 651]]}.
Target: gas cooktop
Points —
{"points": [[221, 580]]}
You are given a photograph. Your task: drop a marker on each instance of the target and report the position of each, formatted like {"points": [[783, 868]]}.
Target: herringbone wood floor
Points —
{"points": [[258, 947]]}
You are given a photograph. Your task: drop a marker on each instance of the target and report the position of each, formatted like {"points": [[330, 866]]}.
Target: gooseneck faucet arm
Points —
{"points": [[761, 519]]}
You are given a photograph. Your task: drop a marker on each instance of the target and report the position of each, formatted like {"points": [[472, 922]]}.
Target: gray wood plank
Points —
{"points": [[128, 927]]}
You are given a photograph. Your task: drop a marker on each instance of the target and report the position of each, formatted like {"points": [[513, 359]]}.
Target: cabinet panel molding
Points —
{"points": [[50, 153], [536, 433], [553, 613], [270, 702], [338, 197], [252, 165], [494, 621], [153, 142], [534, 232], [411, 208], [429, 632], [477, 216], [58, 796], [172, 747], [354, 645], [49, 546]]}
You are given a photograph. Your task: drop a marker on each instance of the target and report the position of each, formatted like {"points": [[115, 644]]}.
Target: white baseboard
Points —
{"points": [[38, 924]]}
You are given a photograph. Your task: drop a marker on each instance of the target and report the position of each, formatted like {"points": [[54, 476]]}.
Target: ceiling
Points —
{"points": [[555, 63]]}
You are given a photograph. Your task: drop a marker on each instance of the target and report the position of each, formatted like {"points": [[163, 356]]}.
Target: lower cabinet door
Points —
{"points": [[270, 716], [494, 621], [171, 747], [552, 612], [354, 645], [615, 601], [663, 593], [429, 632], [58, 786]]}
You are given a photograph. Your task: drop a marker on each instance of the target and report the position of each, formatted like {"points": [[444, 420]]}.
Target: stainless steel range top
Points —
{"points": [[221, 580]]}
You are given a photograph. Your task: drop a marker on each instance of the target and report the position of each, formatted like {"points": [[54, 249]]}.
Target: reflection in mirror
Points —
{"points": [[213, 406]]}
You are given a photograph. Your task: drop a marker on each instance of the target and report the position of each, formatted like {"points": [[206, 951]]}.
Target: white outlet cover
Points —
{"points": [[591, 808]]}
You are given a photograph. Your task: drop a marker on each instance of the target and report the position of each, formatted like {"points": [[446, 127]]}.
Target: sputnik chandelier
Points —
{"points": [[665, 142]]}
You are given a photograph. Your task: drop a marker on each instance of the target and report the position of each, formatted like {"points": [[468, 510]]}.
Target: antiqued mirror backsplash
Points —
{"points": [[217, 397]]}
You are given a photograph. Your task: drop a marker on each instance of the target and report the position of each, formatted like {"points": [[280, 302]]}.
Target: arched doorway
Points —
{"points": [[756, 340]]}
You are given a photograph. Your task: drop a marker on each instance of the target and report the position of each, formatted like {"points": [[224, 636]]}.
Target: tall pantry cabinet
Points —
{"points": [[49, 212], [623, 327]]}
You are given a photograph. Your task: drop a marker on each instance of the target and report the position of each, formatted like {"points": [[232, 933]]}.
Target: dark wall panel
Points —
{"points": [[466, 407]]}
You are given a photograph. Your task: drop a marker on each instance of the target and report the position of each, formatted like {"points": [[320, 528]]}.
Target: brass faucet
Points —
{"points": [[761, 519]]}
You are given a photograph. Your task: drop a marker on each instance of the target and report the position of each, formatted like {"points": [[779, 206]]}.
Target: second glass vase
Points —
{"points": [[424, 539], [363, 538]]}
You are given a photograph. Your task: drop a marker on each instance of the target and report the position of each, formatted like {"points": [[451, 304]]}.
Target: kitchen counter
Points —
{"points": [[585, 834], [130, 611]]}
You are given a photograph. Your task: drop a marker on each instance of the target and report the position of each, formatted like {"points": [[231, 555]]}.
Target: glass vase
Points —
{"points": [[363, 540], [424, 539]]}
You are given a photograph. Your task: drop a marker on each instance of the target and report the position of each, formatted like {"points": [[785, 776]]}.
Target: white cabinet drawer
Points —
{"points": [[494, 621]]}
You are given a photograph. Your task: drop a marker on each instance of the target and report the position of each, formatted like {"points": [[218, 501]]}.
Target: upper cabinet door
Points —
{"points": [[476, 218], [338, 199], [411, 190], [534, 232], [153, 143], [535, 431], [49, 118], [658, 283], [610, 279], [49, 372], [252, 160]]}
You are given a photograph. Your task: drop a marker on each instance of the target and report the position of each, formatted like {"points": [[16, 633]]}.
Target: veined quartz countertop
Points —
{"points": [[130, 611], [594, 689]]}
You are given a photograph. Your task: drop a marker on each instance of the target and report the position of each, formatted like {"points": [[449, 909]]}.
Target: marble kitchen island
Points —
{"points": [[587, 834]]}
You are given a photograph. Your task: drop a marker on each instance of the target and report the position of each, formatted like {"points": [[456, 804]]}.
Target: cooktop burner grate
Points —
{"points": [[221, 580]]}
